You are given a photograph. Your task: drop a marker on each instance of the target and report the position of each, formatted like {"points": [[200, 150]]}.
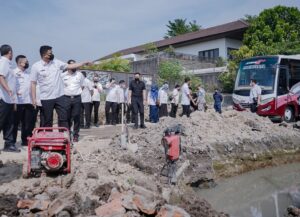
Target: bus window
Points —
{"points": [[283, 82], [294, 69]]}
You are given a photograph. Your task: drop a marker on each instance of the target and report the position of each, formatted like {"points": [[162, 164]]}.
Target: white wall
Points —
{"points": [[207, 45]]}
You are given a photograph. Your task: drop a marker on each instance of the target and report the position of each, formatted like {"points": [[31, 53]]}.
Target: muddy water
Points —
{"points": [[261, 193]]}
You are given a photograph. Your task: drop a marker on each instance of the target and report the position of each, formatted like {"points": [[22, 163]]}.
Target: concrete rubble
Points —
{"points": [[108, 181]]}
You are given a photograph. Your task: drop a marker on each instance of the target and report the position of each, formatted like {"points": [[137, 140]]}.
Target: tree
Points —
{"points": [[170, 71], [115, 64], [227, 78], [179, 27], [274, 31], [150, 49]]}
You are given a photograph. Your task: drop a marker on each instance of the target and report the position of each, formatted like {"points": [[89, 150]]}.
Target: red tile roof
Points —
{"points": [[233, 29]]}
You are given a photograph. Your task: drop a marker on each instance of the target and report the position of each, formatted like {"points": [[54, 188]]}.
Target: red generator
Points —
{"points": [[49, 151], [172, 146]]}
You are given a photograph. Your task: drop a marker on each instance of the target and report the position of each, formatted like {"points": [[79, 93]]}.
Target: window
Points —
{"points": [[209, 54], [293, 69], [229, 49]]}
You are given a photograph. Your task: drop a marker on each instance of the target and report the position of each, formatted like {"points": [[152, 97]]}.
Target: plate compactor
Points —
{"points": [[172, 145], [49, 151]]}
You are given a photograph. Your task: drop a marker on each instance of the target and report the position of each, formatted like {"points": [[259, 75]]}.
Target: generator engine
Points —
{"points": [[48, 152], [172, 145]]}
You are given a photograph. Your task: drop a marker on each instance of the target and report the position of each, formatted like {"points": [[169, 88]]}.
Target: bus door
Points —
{"points": [[283, 96]]}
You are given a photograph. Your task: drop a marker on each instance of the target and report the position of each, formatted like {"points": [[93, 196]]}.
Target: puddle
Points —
{"points": [[9, 172], [261, 193]]}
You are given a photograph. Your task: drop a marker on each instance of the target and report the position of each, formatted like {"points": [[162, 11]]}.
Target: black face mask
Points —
{"points": [[26, 66], [51, 57], [136, 79], [73, 70]]}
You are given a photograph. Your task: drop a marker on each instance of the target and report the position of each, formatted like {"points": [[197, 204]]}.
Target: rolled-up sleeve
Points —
{"points": [[33, 74], [61, 65], [4, 68]]}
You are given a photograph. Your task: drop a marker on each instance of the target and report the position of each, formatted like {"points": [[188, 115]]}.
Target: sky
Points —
{"points": [[89, 29]]}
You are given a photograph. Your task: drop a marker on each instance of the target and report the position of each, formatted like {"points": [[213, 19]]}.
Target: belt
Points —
{"points": [[72, 97]]}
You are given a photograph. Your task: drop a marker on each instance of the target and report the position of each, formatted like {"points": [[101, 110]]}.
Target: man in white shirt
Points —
{"points": [[186, 97], [111, 102], [86, 101], [96, 100], [73, 84], [7, 98], [255, 95], [25, 113], [47, 73], [175, 101]]}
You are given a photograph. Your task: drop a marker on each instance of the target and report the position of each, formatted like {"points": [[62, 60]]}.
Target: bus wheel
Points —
{"points": [[289, 115]]}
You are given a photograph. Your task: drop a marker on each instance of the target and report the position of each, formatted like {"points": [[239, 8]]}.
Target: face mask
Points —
{"points": [[137, 79], [26, 66], [51, 57], [73, 70]]}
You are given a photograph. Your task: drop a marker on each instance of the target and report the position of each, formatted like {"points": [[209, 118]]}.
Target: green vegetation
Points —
{"points": [[180, 26], [115, 64], [150, 49], [170, 71], [273, 31]]}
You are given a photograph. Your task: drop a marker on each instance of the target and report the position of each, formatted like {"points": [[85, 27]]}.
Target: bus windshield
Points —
{"points": [[262, 69]]}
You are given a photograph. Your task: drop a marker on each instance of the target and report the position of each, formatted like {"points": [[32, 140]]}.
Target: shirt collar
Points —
{"points": [[6, 59], [44, 63]]}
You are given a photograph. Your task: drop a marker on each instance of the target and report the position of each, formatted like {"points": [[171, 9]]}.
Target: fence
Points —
{"points": [[104, 77]]}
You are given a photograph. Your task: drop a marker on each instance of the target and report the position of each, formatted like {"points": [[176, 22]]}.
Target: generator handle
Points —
{"points": [[44, 129]]}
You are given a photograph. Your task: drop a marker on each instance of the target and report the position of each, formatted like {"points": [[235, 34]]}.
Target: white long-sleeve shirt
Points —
{"points": [[86, 95], [112, 95], [175, 95], [163, 96]]}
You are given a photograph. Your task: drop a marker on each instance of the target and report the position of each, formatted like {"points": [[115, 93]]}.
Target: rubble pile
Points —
{"points": [[107, 180]]}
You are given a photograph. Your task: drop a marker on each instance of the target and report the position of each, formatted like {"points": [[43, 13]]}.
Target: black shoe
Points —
{"points": [[135, 127], [11, 148], [143, 127], [87, 127]]}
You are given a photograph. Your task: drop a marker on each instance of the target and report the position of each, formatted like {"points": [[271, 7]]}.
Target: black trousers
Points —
{"points": [[26, 115], [59, 104], [163, 110], [74, 109], [111, 117], [95, 105], [173, 112], [186, 110], [138, 107], [40, 111], [129, 116], [7, 123], [85, 114]]}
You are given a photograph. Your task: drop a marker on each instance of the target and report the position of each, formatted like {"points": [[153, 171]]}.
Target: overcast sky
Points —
{"points": [[90, 29]]}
